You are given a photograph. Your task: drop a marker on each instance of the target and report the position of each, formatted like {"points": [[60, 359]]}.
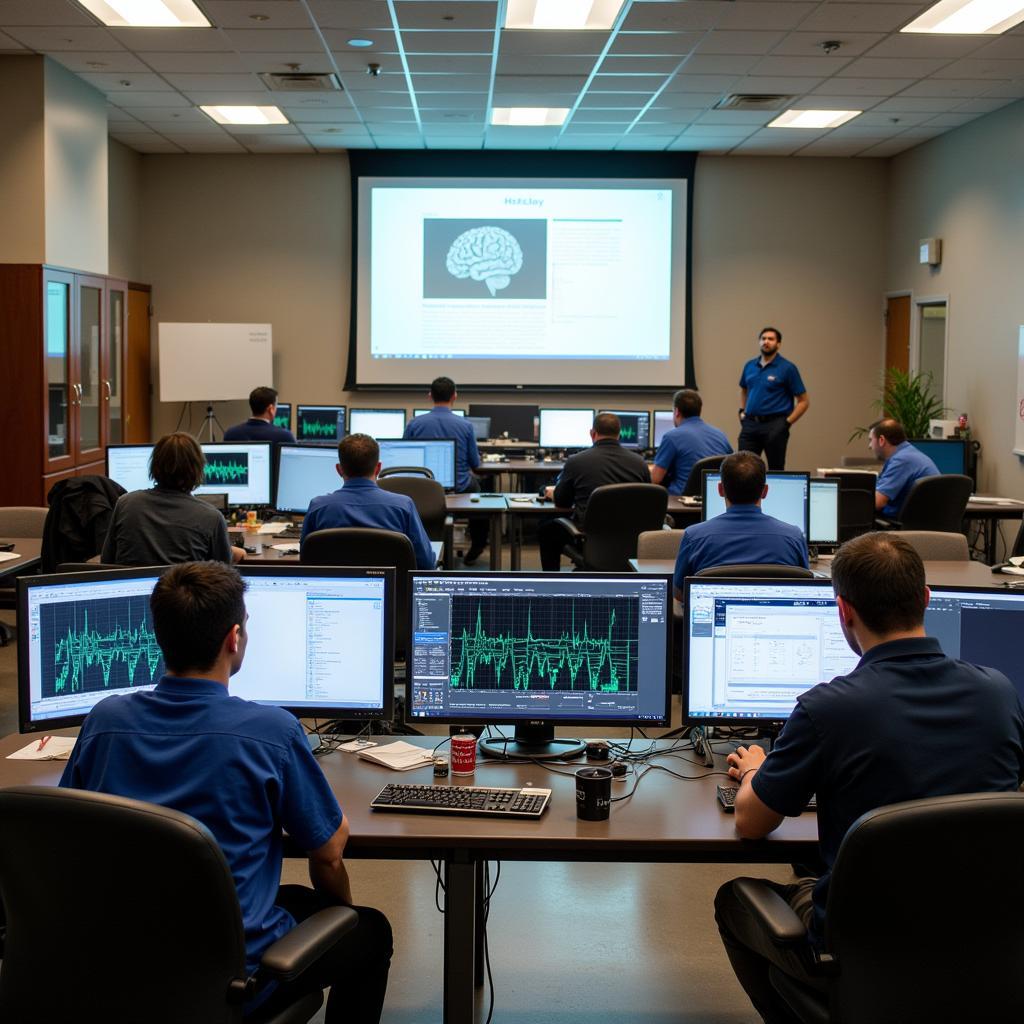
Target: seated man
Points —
{"points": [[167, 523], [360, 502], [742, 534], [907, 723], [902, 465], [246, 772], [260, 426], [606, 462], [685, 444]]}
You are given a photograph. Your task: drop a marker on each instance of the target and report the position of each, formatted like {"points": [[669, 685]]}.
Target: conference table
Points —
{"points": [[990, 510], [27, 551], [666, 820]]}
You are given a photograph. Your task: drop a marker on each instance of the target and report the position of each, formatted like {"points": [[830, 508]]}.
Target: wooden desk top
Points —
{"points": [[27, 549]]}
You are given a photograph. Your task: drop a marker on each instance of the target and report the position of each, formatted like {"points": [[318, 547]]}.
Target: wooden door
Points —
{"points": [[137, 368], [897, 333], [90, 370], [112, 383]]}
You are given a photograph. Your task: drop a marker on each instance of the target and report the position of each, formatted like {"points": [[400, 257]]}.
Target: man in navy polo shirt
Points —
{"points": [[246, 772], [441, 422], [902, 465], [690, 440], [742, 534], [906, 724], [260, 426], [773, 398]]}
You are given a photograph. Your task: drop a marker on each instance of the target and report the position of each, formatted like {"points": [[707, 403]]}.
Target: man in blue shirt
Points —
{"points": [[773, 398], [260, 426], [906, 724], [742, 534], [902, 465], [360, 502], [246, 772], [689, 441], [441, 422]]}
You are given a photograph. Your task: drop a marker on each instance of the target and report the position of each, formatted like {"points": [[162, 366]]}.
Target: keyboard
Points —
{"points": [[727, 798], [477, 800]]}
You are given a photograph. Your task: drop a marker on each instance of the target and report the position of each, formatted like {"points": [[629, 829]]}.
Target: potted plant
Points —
{"points": [[908, 398]]}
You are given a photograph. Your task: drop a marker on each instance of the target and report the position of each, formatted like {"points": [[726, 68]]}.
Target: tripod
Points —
{"points": [[208, 421]]}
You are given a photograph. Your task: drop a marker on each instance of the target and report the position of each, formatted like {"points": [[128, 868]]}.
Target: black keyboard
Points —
{"points": [[727, 798], [442, 799]]}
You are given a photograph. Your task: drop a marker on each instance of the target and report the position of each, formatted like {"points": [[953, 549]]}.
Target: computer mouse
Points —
{"points": [[474, 497], [618, 769]]}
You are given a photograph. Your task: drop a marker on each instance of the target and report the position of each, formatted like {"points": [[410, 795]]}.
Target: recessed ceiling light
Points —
{"points": [[245, 115], [147, 13], [532, 116], [969, 17], [814, 118], [360, 42], [562, 14]]}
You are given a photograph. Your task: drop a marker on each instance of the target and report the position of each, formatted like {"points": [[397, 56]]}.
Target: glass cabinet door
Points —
{"points": [[89, 388], [57, 294], [113, 381]]}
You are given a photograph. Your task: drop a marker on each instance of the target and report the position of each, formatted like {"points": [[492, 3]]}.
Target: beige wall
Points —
{"points": [[124, 167], [967, 188], [22, 210]]}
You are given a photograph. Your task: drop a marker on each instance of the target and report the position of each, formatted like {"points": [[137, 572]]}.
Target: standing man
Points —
{"points": [[441, 422], [689, 441], [902, 466], [260, 425], [773, 398]]}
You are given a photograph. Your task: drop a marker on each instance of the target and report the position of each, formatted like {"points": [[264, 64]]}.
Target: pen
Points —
{"points": [[43, 742]]}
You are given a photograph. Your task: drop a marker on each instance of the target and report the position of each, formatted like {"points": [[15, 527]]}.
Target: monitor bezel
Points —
{"points": [[120, 446], [633, 412], [706, 475], [655, 441], [286, 405], [340, 410], [271, 482], [556, 721], [376, 409], [553, 408], [428, 440], [277, 471], [945, 442], [820, 482]]}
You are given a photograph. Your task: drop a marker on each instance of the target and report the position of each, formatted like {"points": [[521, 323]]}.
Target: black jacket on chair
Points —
{"points": [[79, 516]]}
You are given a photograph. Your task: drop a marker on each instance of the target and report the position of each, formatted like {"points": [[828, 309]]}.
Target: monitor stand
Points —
{"points": [[535, 742]]}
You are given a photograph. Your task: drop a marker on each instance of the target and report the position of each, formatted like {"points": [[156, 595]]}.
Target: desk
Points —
{"points": [[28, 550], [490, 505], [668, 820], [989, 513], [269, 554]]}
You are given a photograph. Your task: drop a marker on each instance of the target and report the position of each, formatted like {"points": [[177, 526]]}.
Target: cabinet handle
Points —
{"points": [[77, 391], [110, 390]]}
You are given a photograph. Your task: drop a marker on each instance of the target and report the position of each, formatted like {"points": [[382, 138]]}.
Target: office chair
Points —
{"points": [[695, 481], [81, 508], [413, 471], [901, 947], [428, 496], [936, 503], [616, 515], [1018, 544], [142, 903], [768, 571], [87, 566], [856, 512], [934, 546], [659, 543], [854, 479]]}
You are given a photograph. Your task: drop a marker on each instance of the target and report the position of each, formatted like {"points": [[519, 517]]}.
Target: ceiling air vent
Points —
{"points": [[298, 81], [754, 101]]}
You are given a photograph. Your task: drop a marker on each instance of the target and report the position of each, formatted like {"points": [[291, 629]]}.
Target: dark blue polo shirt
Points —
{"points": [[741, 535], [899, 473], [684, 445], [905, 724], [257, 429], [771, 389], [244, 770], [441, 422]]}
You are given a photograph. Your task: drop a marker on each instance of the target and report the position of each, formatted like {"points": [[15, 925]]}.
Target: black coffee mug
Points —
{"points": [[593, 794]]}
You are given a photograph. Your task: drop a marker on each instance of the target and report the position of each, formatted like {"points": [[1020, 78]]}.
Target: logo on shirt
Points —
{"points": [[771, 377]]}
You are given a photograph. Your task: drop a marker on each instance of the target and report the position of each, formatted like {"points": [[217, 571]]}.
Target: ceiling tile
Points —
{"points": [[130, 100], [279, 14], [913, 105], [215, 83], [310, 100], [1013, 89], [657, 128], [735, 117], [207, 143], [80, 38], [44, 12], [707, 147], [329, 115], [448, 100], [529, 99], [636, 64], [865, 86], [983, 105], [762, 84], [398, 142], [397, 98], [700, 83], [187, 40], [618, 117], [1006, 47], [949, 87], [645, 143], [685, 100], [473, 64], [154, 145], [674, 44], [514, 64], [763, 14], [673, 17], [972, 67], [466, 83], [455, 125], [612, 101], [738, 42], [818, 67], [363, 14], [952, 120], [145, 82], [808, 44], [308, 63], [7, 44], [627, 83], [902, 120], [718, 64], [860, 17], [221, 97], [448, 42], [269, 144], [926, 45], [384, 40], [723, 131], [465, 14], [837, 147], [112, 61], [454, 115], [356, 62], [211, 63], [443, 142], [586, 142], [830, 101], [890, 147], [523, 42], [891, 67], [248, 40]]}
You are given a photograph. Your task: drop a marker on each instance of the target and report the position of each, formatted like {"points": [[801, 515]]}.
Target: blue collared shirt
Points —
{"points": [[257, 429], [441, 422], [900, 471], [684, 445], [244, 770], [771, 389], [741, 535], [362, 503]]}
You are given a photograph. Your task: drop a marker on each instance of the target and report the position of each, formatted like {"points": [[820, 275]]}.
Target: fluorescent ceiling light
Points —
{"points": [[147, 13], [547, 15], [814, 118], [969, 17], [532, 116], [245, 115]]}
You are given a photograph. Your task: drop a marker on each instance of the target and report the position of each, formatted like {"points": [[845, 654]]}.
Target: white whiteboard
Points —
{"points": [[213, 362], [1018, 437]]}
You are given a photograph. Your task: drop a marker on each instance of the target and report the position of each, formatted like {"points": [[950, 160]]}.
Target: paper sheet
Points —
{"points": [[7, 556], [56, 748]]}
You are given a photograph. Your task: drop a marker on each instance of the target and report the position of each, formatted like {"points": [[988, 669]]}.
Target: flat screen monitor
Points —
{"points": [[436, 455], [516, 422], [565, 428], [304, 472], [663, 423], [319, 424], [635, 427], [423, 412], [283, 415], [86, 636], [824, 513], [787, 498], [537, 650], [949, 456], [377, 422], [481, 426]]}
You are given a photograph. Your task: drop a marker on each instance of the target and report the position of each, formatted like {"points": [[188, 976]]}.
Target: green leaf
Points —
{"points": [[908, 398]]}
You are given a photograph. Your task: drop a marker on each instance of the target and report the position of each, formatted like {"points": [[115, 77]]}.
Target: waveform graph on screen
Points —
{"points": [[627, 432], [97, 645], [318, 427], [545, 643], [226, 468]]}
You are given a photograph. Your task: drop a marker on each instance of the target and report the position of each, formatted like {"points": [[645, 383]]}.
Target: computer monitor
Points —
{"points": [[377, 422], [128, 465], [319, 424], [823, 530], [85, 636], [517, 422], [303, 473], [437, 455], [423, 412], [949, 456], [663, 422], [566, 428], [635, 428], [538, 650], [787, 498], [283, 416], [753, 646], [481, 426]]}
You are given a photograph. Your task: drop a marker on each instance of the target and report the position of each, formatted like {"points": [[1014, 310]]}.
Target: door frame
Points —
{"points": [[916, 302]]}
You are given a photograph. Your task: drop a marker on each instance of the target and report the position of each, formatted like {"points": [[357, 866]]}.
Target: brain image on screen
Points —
{"points": [[489, 254]]}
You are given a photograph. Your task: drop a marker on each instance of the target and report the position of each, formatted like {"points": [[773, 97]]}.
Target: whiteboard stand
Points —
{"points": [[208, 421]]}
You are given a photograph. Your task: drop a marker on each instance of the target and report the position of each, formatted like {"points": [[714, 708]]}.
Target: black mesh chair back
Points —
{"points": [[937, 503], [856, 512], [854, 480], [616, 515], [413, 471], [117, 910], [427, 495], [768, 571], [695, 481]]}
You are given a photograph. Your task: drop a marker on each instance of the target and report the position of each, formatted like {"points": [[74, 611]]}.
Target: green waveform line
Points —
{"points": [[219, 472], [282, 421], [531, 656], [79, 651], [314, 428], [627, 432]]}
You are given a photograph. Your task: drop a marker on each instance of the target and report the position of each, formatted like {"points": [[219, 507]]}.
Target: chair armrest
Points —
{"points": [[773, 913], [574, 530], [887, 524], [287, 958]]}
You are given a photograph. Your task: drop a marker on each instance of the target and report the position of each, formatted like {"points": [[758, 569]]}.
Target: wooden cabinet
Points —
{"points": [[63, 353]]}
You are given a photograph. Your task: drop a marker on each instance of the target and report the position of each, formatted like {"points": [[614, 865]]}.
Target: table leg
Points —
{"points": [[515, 541], [495, 540], [480, 925], [460, 901]]}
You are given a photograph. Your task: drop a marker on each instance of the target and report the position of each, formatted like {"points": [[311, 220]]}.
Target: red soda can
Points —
{"points": [[463, 754]]}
